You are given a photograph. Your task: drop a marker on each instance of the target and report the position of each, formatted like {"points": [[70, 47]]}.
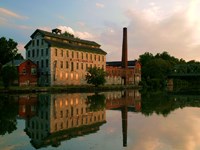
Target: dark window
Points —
{"points": [[42, 52], [67, 53], [42, 42], [67, 65], [42, 63], [29, 53], [72, 66], [72, 54], [33, 71], [37, 42], [33, 53], [81, 65], [61, 64], [47, 62], [33, 42], [47, 51], [56, 52], [62, 53], [37, 52]]}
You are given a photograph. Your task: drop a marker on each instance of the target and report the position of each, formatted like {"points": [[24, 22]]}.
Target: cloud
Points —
{"points": [[6, 12], [82, 35], [100, 5], [21, 49], [149, 31]]}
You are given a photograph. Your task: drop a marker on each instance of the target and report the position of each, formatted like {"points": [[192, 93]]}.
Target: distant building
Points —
{"points": [[115, 72], [27, 72], [63, 59], [124, 71]]}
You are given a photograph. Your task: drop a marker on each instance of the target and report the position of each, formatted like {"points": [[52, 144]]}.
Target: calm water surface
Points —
{"points": [[119, 120]]}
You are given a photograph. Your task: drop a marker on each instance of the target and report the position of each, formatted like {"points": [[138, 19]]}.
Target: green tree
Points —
{"points": [[8, 50], [9, 74], [96, 76]]}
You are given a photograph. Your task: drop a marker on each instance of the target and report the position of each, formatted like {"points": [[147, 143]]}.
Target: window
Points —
{"points": [[86, 56], [86, 66], [82, 66], [72, 66], [99, 57], [37, 52], [90, 56], [47, 51], [42, 52], [33, 70], [62, 53], [82, 55], [29, 53], [72, 54], [33, 43], [24, 71], [37, 42], [95, 57], [42, 63], [67, 65], [61, 64], [42, 42], [33, 53], [47, 63], [56, 52], [67, 53]]}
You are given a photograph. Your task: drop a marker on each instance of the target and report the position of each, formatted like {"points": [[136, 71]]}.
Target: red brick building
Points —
{"points": [[115, 72], [27, 72]]}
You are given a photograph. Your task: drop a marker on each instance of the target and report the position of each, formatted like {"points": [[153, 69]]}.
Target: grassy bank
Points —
{"points": [[71, 89]]}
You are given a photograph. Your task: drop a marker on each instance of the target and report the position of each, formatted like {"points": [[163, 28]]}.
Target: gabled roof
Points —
{"points": [[17, 62], [45, 33], [59, 44], [131, 63]]}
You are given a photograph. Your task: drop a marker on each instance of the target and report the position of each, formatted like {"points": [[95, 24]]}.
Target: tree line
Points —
{"points": [[156, 68]]}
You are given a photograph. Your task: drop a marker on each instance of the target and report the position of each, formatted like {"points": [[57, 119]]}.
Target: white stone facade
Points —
{"points": [[63, 61]]}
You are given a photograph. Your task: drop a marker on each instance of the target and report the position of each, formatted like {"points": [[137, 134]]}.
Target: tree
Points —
{"points": [[8, 50], [9, 74], [96, 76]]}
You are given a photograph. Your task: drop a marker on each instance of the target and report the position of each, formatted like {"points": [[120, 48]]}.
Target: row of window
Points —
{"points": [[38, 52], [37, 42], [74, 65], [78, 121], [43, 63], [73, 54], [33, 71]]}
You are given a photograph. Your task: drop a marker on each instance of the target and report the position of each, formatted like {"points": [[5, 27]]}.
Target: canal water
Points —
{"points": [[117, 120]]}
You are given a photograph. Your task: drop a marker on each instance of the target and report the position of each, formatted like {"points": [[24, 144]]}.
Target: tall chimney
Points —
{"points": [[124, 49]]}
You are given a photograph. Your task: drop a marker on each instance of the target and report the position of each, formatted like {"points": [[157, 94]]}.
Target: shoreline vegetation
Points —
{"points": [[61, 89]]}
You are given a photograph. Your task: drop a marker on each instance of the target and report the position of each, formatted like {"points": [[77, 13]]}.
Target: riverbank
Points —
{"points": [[71, 89]]}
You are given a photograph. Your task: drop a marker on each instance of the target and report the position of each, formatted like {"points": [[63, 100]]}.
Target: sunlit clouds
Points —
{"points": [[153, 26], [8, 13]]}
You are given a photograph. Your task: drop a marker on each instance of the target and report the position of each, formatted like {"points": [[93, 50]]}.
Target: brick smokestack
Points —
{"points": [[124, 49]]}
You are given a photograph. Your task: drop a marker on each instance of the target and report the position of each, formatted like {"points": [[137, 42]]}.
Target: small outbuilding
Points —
{"points": [[27, 72]]}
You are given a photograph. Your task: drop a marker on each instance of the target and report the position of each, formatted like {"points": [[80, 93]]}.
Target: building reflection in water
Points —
{"points": [[124, 101], [52, 118]]}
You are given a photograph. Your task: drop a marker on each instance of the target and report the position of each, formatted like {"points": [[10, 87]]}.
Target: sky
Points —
{"points": [[153, 26]]}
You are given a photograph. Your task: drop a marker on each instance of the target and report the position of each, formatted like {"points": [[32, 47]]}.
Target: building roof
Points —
{"points": [[17, 62], [131, 63], [74, 47], [86, 45]]}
